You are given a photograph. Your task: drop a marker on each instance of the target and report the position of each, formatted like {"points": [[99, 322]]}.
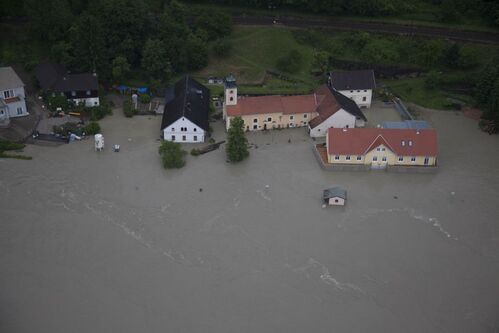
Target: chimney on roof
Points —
{"points": [[417, 132]]}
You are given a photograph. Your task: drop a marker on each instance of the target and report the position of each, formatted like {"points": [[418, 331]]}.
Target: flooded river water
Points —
{"points": [[111, 242]]}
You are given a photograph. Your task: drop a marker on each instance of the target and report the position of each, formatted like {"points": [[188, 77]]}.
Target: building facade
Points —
{"points": [[80, 89], [380, 148], [186, 112], [356, 85], [12, 95]]}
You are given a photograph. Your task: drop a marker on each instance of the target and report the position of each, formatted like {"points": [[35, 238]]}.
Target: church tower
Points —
{"points": [[230, 90]]}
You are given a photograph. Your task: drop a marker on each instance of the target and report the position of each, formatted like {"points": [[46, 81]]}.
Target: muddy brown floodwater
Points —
{"points": [[111, 242]]}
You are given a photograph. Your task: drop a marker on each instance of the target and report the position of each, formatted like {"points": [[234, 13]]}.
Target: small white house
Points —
{"points": [[12, 95], [335, 110], [356, 85], [185, 118], [334, 196]]}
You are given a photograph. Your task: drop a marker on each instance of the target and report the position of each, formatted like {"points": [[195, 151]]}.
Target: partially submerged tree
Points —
{"points": [[237, 144], [172, 155]]}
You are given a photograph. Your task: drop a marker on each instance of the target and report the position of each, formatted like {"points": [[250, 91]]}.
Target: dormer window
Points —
{"points": [[403, 143], [88, 92], [410, 143], [73, 93]]}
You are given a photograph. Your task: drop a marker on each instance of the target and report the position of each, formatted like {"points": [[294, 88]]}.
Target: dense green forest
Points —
{"points": [[112, 37]]}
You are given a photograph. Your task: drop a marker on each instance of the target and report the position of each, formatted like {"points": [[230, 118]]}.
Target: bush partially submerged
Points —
{"points": [[172, 155], [92, 128], [128, 109]]}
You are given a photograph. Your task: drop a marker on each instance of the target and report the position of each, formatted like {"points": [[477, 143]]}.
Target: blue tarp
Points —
{"points": [[142, 90]]}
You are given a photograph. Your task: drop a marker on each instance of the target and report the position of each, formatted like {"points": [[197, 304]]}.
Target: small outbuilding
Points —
{"points": [[335, 196]]}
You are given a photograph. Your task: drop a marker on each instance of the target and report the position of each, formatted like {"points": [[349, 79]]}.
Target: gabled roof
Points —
{"points": [[9, 79], [403, 142], [191, 101], [334, 192], [331, 102], [55, 77], [352, 80], [273, 104]]}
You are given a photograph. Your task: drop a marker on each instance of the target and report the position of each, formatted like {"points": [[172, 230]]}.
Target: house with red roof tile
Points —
{"points": [[382, 147], [318, 111]]}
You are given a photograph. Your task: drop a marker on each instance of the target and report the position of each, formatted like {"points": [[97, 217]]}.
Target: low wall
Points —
{"points": [[412, 169]]}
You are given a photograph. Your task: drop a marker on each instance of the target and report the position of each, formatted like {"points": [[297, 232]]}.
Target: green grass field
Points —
{"points": [[256, 50]]}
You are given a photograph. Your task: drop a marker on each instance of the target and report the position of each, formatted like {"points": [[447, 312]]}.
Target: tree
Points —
{"points": [[222, 47], [172, 155], [486, 81], [216, 23], [451, 55], [120, 68], [92, 128], [197, 53], [62, 52], [291, 62], [155, 60], [89, 45], [237, 144], [432, 80], [321, 61]]}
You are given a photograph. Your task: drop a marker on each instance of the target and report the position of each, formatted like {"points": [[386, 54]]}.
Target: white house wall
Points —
{"points": [[358, 96], [340, 119], [89, 102], [13, 106], [193, 133]]}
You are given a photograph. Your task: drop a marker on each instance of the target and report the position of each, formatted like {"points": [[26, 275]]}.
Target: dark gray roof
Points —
{"points": [[55, 77], [334, 192], [9, 79], [191, 101], [352, 80], [348, 105]]}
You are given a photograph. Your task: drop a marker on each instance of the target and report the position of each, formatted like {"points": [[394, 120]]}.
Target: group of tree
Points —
{"points": [[443, 10], [487, 93], [173, 156], [116, 37]]}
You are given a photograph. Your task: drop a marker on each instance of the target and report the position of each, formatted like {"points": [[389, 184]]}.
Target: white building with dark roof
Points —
{"points": [[356, 85], [80, 88], [12, 95], [186, 114]]}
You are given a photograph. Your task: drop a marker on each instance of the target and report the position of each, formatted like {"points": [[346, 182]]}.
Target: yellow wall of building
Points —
{"points": [[278, 120], [391, 158]]}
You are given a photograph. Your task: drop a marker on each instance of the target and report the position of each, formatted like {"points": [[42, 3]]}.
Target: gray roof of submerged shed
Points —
{"points": [[191, 100], [352, 80], [335, 192]]}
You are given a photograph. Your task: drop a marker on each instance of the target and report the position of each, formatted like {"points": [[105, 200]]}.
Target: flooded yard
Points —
{"points": [[111, 242]]}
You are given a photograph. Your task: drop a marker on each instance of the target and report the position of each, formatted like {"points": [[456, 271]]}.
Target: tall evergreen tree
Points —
{"points": [[237, 144]]}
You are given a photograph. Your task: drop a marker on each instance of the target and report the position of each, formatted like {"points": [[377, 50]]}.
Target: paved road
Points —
{"points": [[339, 24]]}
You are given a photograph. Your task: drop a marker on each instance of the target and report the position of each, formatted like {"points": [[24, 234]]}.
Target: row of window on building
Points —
{"points": [[375, 158], [184, 138], [184, 129], [269, 119]]}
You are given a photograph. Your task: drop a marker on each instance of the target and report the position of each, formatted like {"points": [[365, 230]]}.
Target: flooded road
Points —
{"points": [[111, 242]]}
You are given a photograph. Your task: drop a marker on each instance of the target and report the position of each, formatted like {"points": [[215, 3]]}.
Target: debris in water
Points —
{"points": [[200, 190], [395, 197], [452, 193], [267, 186], [324, 206], [129, 139], [289, 140]]}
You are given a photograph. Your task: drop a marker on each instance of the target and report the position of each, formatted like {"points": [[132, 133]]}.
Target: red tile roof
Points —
{"points": [[332, 102], [274, 104], [359, 141]]}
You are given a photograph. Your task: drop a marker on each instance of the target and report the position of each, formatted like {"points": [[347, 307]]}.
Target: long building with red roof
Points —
{"points": [[381, 147], [318, 111]]}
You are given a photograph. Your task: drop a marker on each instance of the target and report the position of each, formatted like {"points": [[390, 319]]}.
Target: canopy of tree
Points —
{"points": [[115, 37]]}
